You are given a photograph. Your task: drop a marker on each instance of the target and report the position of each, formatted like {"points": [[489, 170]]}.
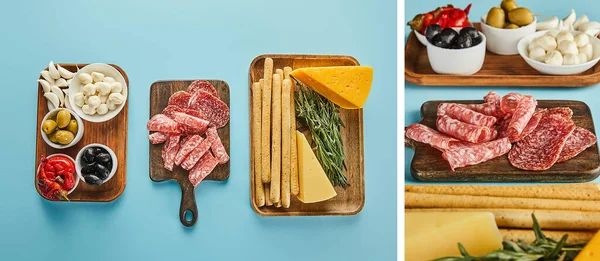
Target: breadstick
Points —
{"points": [[285, 143], [295, 188], [423, 200], [528, 236], [256, 146], [268, 195], [276, 140], [280, 73], [266, 121], [563, 191]]}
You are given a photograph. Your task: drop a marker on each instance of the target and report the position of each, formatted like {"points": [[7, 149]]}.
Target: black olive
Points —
{"points": [[437, 41], [102, 172], [432, 31], [470, 31], [447, 36], [88, 155], [463, 41], [88, 169], [103, 158], [98, 150], [92, 180], [477, 41]]}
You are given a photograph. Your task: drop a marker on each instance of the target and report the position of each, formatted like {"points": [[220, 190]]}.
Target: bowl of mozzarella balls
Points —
{"points": [[558, 52], [98, 92]]}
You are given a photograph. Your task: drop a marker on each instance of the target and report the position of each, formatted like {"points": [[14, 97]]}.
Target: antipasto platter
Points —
{"points": [[287, 174]]}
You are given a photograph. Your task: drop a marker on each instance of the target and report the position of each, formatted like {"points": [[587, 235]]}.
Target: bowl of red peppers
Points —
{"points": [[445, 16], [56, 177]]}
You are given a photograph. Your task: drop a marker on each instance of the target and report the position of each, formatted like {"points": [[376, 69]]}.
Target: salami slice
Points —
{"points": [[190, 121], [421, 133], [216, 111], [463, 131], [488, 108], [477, 153], [170, 109], [187, 146], [180, 99], [197, 153], [158, 137], [169, 152], [531, 125], [492, 97], [541, 149], [579, 140], [502, 126], [464, 114], [563, 111], [217, 146], [509, 102], [202, 85], [162, 123], [521, 116], [205, 166]]}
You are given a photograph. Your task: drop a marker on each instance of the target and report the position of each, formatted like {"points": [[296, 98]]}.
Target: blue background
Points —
{"points": [[415, 95], [180, 39]]}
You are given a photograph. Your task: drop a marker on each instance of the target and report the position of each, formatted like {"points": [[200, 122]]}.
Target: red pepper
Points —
{"points": [[446, 17], [441, 19], [55, 186], [459, 18]]}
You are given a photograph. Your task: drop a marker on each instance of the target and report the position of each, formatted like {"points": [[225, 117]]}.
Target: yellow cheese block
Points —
{"points": [[591, 251], [314, 184], [346, 86], [432, 235]]}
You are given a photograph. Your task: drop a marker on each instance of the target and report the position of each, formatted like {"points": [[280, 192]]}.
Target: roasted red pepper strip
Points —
{"points": [[445, 17], [47, 180]]}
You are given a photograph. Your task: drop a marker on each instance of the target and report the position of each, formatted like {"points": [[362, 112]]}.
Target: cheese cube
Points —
{"points": [[591, 251], [314, 184]]}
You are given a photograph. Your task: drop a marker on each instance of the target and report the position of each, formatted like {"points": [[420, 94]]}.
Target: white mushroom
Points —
{"points": [[103, 88], [117, 87], [111, 106], [52, 98], [61, 82], [582, 58], [547, 42], [571, 59], [85, 78], [64, 72], [102, 109], [554, 32], [88, 110], [554, 58], [564, 36], [79, 99], [538, 54], [582, 39], [59, 94], [116, 98], [109, 79], [89, 89], [53, 71], [46, 75], [93, 101], [588, 50], [566, 47], [97, 77], [582, 19], [45, 85]]}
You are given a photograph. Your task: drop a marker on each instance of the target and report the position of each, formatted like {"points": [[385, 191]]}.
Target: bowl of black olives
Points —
{"points": [[96, 164], [455, 51]]}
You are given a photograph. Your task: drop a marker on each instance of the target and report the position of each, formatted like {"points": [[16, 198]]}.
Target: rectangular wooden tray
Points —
{"points": [[497, 70], [112, 133], [160, 92], [428, 164], [348, 201]]}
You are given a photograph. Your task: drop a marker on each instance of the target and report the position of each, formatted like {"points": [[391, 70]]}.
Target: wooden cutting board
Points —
{"points": [[349, 201], [112, 133], [497, 70], [428, 164], [160, 92]]}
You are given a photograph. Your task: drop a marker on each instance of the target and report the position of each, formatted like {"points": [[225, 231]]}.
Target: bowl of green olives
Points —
{"points": [[96, 164], [61, 128], [504, 26]]}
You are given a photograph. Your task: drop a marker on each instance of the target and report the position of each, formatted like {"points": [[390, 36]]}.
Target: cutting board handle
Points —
{"points": [[188, 203]]}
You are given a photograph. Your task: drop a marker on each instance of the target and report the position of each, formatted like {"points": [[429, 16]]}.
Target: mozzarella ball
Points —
{"points": [[111, 106], [102, 109], [89, 89], [97, 77], [103, 88], [568, 47], [582, 58], [109, 79], [94, 101], [582, 39], [588, 50], [103, 98], [538, 54], [554, 58], [116, 98], [571, 59], [85, 78], [117, 87], [88, 110], [552, 33], [546, 42], [79, 99], [564, 36]]}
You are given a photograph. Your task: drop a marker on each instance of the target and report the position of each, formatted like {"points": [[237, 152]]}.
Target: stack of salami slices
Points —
{"points": [[188, 128], [533, 138]]}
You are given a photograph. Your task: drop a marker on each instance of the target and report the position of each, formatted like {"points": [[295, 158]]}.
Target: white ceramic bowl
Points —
{"points": [[66, 156], [504, 41], [555, 69], [457, 61], [78, 135], [110, 152], [75, 87]]}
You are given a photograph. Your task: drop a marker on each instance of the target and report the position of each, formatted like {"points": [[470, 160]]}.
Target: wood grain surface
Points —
{"points": [[112, 133], [160, 92], [348, 201], [428, 164], [497, 70]]}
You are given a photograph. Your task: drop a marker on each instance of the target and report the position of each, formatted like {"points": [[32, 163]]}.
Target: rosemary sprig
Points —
{"points": [[322, 117], [542, 249]]}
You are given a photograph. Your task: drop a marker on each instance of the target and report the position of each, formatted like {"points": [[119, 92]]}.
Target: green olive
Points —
{"points": [[508, 5], [511, 26], [495, 17], [49, 126], [72, 127], [52, 137], [62, 118], [520, 16], [64, 137]]}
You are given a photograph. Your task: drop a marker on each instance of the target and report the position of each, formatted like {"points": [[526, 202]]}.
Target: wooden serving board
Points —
{"points": [[497, 70], [112, 133], [428, 164], [348, 201], [160, 92]]}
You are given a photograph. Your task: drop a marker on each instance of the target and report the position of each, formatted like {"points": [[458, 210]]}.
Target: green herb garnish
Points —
{"points": [[542, 249], [322, 117]]}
